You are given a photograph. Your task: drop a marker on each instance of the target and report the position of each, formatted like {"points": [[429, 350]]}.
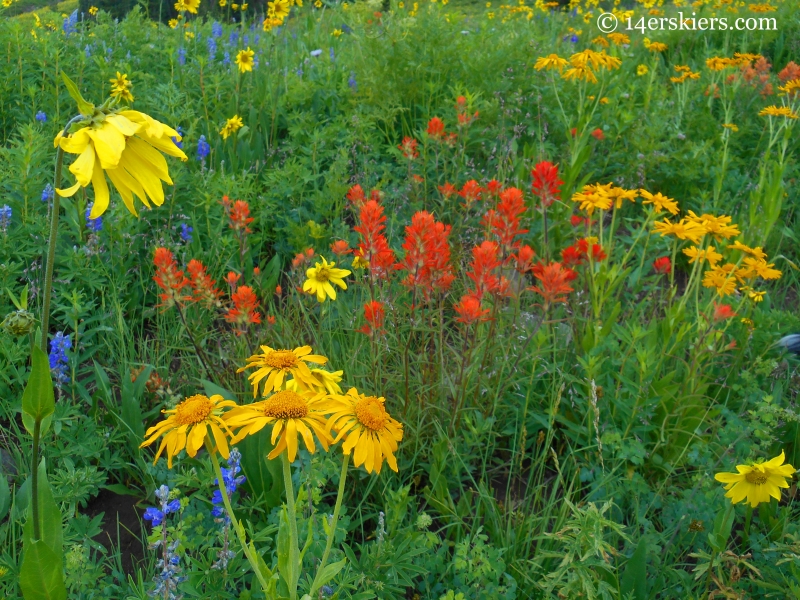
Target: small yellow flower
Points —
{"points": [[732, 126], [188, 34], [757, 482], [223, 3], [359, 262], [232, 125], [619, 39], [553, 61], [657, 47], [720, 279], [245, 60], [401, 5], [710, 254], [336, 32], [320, 278], [778, 111], [683, 229], [234, 6], [93, 10], [660, 202], [276, 365], [642, 70], [594, 197], [173, 23], [244, 6]]}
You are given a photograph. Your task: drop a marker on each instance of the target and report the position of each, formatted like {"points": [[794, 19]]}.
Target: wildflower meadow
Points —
{"points": [[404, 300]]}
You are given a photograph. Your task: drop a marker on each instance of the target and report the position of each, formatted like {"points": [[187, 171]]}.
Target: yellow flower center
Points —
{"points": [[193, 410], [285, 405], [756, 478], [322, 275], [371, 413], [281, 359]]}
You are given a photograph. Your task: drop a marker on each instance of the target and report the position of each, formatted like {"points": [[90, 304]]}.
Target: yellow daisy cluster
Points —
{"points": [[121, 87], [297, 404], [654, 46], [322, 277], [791, 88], [684, 73], [603, 197], [580, 64], [740, 59], [778, 111], [278, 11]]}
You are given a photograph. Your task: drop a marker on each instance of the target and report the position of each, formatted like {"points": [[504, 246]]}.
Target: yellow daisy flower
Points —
{"points": [[619, 39], [778, 111], [710, 254], [371, 433], [275, 365], [245, 60], [579, 73], [684, 230], [660, 202], [93, 10], [719, 227], [657, 47], [173, 23], [325, 380], [720, 279], [232, 125], [279, 9], [292, 413], [642, 70], [123, 145], [758, 252], [594, 197], [620, 194], [188, 426], [359, 262], [764, 270], [792, 87], [553, 61], [758, 482], [191, 6], [320, 278]]}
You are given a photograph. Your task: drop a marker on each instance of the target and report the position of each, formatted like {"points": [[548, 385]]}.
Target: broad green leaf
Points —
{"points": [[212, 389], [41, 576], [634, 577], [329, 572], [49, 516], [84, 107], [38, 399]]}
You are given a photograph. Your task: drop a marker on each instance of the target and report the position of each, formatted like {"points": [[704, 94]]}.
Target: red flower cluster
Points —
{"points": [[302, 258], [504, 223], [340, 248], [579, 252], [722, 312], [553, 282], [374, 247], [577, 220], [427, 258], [169, 278], [462, 110], [238, 214], [204, 290], [662, 265], [374, 314], [789, 72], [485, 261], [409, 148], [447, 190], [546, 184], [470, 192], [243, 312], [436, 128], [469, 310], [598, 135]]}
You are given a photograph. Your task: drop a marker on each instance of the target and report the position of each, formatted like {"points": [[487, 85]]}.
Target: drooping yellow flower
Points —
{"points": [[660, 202], [292, 414], [579, 74], [754, 295], [657, 47], [732, 126], [125, 146], [758, 252], [276, 365], [320, 278], [720, 279], [710, 254], [719, 227], [618, 194], [553, 61], [370, 433], [325, 380], [244, 59], [762, 269], [232, 125], [683, 229], [778, 111], [278, 9], [717, 63], [757, 482], [188, 426]]}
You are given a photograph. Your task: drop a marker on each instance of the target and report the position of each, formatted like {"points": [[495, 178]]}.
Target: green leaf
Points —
{"points": [[38, 399], [49, 516], [41, 576], [5, 496], [130, 409], [634, 577], [329, 572], [84, 107]]}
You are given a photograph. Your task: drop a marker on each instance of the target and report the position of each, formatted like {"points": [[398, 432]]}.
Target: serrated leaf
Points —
{"points": [[84, 107], [41, 576], [38, 399]]}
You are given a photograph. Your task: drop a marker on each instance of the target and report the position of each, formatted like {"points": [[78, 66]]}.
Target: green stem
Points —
{"points": [[294, 550], [237, 526], [746, 532], [336, 509], [37, 534], [51, 250]]}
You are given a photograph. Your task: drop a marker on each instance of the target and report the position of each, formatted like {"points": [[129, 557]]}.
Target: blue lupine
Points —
{"points": [[333, 56], [70, 23], [5, 217], [58, 358], [176, 141], [202, 148], [232, 480], [255, 61], [233, 37], [168, 579], [246, 39], [216, 30], [41, 117], [88, 51], [299, 72], [226, 59], [186, 233], [212, 47], [181, 56], [352, 81], [48, 193], [93, 225]]}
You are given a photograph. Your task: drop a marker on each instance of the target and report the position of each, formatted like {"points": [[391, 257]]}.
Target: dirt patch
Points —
{"points": [[121, 527]]}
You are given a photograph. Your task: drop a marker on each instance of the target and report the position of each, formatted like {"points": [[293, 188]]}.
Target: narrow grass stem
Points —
{"points": [[294, 550], [334, 521]]}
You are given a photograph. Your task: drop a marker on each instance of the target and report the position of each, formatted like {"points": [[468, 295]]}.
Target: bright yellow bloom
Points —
{"points": [[320, 278], [660, 202], [757, 482], [279, 9], [121, 87], [223, 3], [244, 6], [359, 262], [732, 126], [191, 6], [754, 295], [791, 88], [594, 197], [270, 23], [642, 70], [619, 194], [276, 365], [370, 433], [657, 47], [762, 269], [778, 111], [684, 230], [173, 23], [232, 125], [93, 10], [336, 32], [188, 424], [234, 6], [600, 41], [553, 61], [580, 73], [619, 39], [757, 251], [720, 279], [123, 145], [245, 60], [292, 414], [7, 3], [324, 380], [710, 254], [718, 64], [719, 227]]}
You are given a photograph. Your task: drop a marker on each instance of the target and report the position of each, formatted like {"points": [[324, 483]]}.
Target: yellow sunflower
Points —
{"points": [[757, 482], [232, 125], [279, 9], [125, 146], [660, 202], [292, 413], [188, 424], [368, 428], [192, 5], [245, 60], [552, 61], [320, 278], [276, 365]]}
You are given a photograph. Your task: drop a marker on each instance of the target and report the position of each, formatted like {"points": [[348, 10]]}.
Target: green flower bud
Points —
{"points": [[19, 323]]}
